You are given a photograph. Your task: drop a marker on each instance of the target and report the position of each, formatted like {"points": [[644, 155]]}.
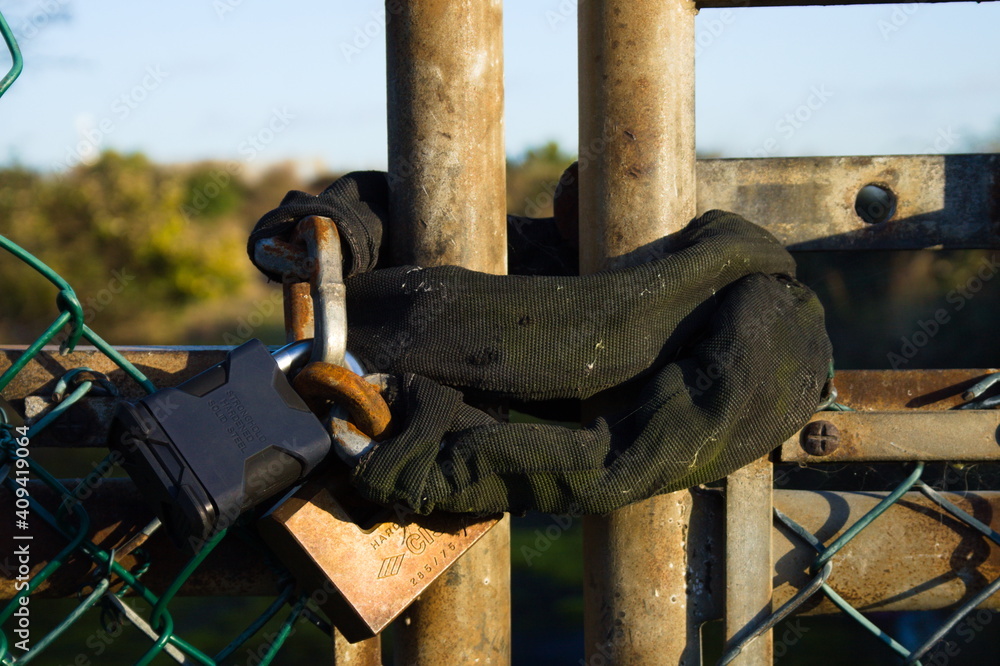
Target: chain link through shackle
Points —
{"points": [[359, 414]]}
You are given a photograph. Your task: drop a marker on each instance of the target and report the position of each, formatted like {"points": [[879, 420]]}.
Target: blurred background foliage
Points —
{"points": [[157, 254]]}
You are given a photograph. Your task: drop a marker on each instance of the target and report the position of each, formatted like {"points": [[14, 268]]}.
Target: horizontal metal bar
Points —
{"points": [[709, 4], [85, 424], [808, 203], [888, 390], [967, 435], [916, 556], [168, 366], [164, 366]]}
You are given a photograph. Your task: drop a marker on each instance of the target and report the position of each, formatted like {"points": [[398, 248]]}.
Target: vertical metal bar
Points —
{"points": [[635, 562], [464, 616], [749, 507], [363, 653], [446, 149], [447, 197], [298, 309], [636, 74]]}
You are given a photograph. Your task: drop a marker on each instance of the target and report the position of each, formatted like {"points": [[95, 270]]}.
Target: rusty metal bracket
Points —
{"points": [[898, 435]]}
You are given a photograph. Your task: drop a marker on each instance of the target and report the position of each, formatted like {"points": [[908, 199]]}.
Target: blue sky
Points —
{"points": [[199, 79]]}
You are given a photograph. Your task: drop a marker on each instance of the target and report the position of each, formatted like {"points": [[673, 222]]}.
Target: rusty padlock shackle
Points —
{"points": [[352, 397], [314, 256]]}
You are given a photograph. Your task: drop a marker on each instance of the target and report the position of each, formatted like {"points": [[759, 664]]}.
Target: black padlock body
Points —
{"points": [[219, 444]]}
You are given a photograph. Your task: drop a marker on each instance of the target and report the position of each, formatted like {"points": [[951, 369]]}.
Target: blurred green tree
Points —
{"points": [[149, 238], [532, 179]]}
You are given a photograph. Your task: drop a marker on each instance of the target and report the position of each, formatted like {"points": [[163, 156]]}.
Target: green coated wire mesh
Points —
{"points": [[822, 567], [111, 581], [70, 519]]}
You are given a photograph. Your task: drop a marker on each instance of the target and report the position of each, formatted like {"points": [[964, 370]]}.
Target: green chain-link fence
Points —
{"points": [[70, 519], [822, 568], [103, 591]]}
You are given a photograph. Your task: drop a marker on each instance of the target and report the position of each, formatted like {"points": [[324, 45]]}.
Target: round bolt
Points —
{"points": [[820, 438]]}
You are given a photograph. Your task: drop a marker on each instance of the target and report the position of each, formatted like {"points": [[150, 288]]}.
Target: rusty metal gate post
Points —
{"points": [[444, 61], [637, 184]]}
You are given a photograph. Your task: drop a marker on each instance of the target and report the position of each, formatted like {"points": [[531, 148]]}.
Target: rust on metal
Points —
{"points": [[287, 258], [863, 390], [314, 230], [748, 559], [312, 255], [164, 366], [889, 390], [637, 153], [942, 201], [819, 438], [372, 561], [298, 310], [322, 383], [444, 61], [963, 435], [916, 556], [637, 184]]}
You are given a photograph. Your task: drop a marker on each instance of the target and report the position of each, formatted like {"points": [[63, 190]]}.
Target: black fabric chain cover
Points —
{"points": [[359, 205], [724, 352]]}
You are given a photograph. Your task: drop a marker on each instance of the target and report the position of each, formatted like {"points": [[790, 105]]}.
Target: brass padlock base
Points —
{"points": [[371, 561]]}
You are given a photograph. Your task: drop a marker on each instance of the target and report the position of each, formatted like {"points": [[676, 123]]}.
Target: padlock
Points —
{"points": [[363, 563], [221, 443]]}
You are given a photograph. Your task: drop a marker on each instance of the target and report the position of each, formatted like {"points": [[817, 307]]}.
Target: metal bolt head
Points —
{"points": [[820, 438]]}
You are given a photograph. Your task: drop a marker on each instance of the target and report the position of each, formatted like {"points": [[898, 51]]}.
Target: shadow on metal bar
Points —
{"points": [[823, 567]]}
